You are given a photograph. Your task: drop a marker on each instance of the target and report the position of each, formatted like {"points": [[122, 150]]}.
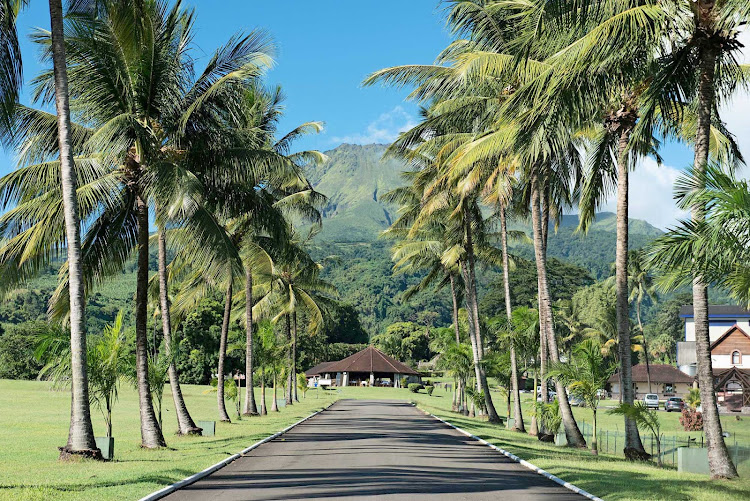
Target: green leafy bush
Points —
{"points": [[415, 387], [429, 388]]}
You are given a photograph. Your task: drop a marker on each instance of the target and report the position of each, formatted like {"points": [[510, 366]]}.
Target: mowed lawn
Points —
{"points": [[34, 422], [606, 476]]}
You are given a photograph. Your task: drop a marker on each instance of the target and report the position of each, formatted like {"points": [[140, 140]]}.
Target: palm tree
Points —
{"points": [[185, 423], [525, 325], [107, 363], [646, 419], [584, 376], [81, 434], [641, 286], [295, 285], [128, 151], [715, 248], [457, 360]]}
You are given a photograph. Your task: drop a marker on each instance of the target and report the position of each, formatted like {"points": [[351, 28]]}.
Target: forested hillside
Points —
{"points": [[358, 261]]}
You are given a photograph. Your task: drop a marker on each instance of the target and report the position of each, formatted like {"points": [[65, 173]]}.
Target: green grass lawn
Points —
{"points": [[34, 421]]}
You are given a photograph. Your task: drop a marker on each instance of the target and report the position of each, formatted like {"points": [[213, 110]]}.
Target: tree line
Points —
{"points": [[143, 137], [538, 107]]}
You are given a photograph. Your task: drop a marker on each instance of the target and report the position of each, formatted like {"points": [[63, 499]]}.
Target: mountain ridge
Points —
{"points": [[356, 176]]}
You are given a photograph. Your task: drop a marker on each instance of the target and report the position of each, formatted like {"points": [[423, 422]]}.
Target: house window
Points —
{"points": [[736, 358], [669, 388]]}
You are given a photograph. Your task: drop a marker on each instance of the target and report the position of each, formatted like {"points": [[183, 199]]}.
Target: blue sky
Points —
{"points": [[327, 47]]}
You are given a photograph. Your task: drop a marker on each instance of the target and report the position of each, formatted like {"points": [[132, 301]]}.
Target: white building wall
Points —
{"points": [[725, 361], [715, 331]]}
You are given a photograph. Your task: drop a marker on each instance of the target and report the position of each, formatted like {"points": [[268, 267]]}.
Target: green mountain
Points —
{"points": [[356, 176], [354, 179], [359, 264]]}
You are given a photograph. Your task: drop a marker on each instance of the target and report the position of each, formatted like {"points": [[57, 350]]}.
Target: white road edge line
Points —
{"points": [[202, 474], [523, 462]]}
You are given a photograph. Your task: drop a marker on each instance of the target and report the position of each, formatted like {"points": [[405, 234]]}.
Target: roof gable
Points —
{"points": [[733, 331]]}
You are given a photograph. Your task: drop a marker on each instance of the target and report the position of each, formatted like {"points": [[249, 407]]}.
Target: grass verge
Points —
{"points": [[34, 422]]}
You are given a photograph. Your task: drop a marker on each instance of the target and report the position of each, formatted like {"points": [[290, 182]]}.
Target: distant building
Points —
{"points": [[369, 367], [666, 381], [728, 328], [729, 333]]}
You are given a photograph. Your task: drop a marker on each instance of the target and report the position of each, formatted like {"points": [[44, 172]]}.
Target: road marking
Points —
{"points": [[522, 462]]}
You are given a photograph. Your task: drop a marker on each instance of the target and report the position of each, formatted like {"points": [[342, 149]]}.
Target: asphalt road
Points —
{"points": [[373, 450]]}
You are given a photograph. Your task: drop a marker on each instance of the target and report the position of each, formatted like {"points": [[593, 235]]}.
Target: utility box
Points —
{"points": [[693, 460], [107, 446], [561, 439], [209, 428]]}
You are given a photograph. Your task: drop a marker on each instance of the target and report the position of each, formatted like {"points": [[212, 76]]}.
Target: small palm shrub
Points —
{"points": [[693, 398], [691, 420], [415, 387]]}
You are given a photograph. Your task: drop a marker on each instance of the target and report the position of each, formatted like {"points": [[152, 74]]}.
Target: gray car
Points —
{"points": [[674, 404]]}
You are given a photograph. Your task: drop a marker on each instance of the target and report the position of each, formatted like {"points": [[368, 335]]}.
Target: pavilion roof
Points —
{"points": [[370, 360], [319, 369]]}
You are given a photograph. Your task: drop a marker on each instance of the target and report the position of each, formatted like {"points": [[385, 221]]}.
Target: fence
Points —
{"points": [[613, 442]]}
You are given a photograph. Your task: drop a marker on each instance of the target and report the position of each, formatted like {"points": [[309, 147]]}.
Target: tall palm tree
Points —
{"points": [[714, 248], [132, 139], [641, 287], [295, 285], [500, 192], [423, 249], [81, 433]]}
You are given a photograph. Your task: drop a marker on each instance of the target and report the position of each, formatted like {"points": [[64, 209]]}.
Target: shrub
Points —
{"points": [[429, 388], [691, 420], [415, 387]]}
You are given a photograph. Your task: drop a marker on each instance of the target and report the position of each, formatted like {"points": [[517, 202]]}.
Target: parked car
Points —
{"points": [[674, 404], [551, 395], [651, 400], [576, 402]]}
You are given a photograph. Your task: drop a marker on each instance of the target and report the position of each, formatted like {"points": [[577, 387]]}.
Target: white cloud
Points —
{"points": [[651, 198], [736, 113], [384, 129]]}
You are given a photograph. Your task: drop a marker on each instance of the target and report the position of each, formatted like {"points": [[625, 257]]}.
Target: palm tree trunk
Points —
{"points": [[223, 415], [274, 403], [633, 446], [454, 297], [294, 355], [263, 409], [81, 432], [573, 434], [185, 424], [290, 371], [534, 430], [517, 415], [250, 408], [543, 320], [454, 406], [472, 304], [719, 462], [481, 377], [645, 344], [151, 434], [594, 443]]}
